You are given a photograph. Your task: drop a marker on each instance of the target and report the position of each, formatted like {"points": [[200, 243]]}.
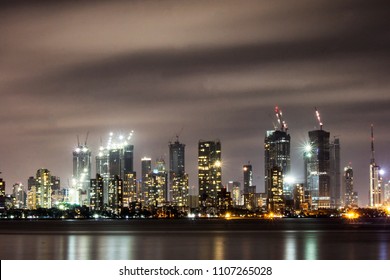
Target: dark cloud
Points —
{"points": [[215, 69]]}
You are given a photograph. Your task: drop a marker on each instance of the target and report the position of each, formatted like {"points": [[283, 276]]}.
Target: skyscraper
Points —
{"points": [[249, 189], [2, 187], [81, 173], [248, 177], [350, 196], [209, 172], [375, 192], [277, 154], [275, 198], [115, 195], [158, 189], [96, 193], [317, 168], [39, 195], [336, 195], [2, 193], [115, 159], [178, 179], [19, 196], [146, 169]]}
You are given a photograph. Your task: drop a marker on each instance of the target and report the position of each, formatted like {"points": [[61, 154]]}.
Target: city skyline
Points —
{"points": [[202, 70]]}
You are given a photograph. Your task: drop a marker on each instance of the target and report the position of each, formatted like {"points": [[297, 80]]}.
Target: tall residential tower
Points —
{"points": [[209, 172]]}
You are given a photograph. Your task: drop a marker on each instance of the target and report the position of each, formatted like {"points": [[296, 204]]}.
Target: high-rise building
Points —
{"points": [[317, 169], [39, 195], [336, 196], [235, 189], [115, 195], [2, 193], [115, 159], [130, 192], [249, 188], [81, 174], [275, 198], [277, 154], [158, 188], [350, 200], [102, 164], [2, 187], [121, 160], [178, 179], [386, 199], [146, 172], [96, 193], [19, 196], [375, 192], [248, 177], [224, 200], [209, 172]]}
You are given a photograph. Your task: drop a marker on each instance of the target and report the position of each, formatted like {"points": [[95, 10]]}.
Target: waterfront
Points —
{"points": [[203, 239]]}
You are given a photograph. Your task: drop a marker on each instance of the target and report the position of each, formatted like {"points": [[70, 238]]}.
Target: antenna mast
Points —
{"points": [[372, 145]]}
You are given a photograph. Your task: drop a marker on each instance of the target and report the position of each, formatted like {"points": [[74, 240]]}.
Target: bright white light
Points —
{"points": [[111, 133], [77, 150], [217, 163], [382, 172], [289, 180], [120, 137], [85, 149], [308, 148]]}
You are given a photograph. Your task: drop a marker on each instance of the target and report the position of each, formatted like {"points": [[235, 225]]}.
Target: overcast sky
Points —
{"points": [[204, 69]]}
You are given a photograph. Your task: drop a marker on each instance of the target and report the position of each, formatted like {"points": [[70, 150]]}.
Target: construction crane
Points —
{"points": [[86, 139], [318, 117], [279, 116]]}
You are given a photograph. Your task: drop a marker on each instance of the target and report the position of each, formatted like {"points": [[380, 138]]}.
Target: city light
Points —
{"points": [[351, 215], [217, 164], [289, 179]]}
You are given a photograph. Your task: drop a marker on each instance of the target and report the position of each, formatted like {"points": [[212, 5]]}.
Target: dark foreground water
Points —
{"points": [[285, 239]]}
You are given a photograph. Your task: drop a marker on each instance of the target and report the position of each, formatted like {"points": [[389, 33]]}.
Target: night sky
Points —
{"points": [[202, 69]]}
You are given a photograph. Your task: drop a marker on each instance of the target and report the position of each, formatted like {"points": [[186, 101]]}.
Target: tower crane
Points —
{"points": [[318, 117], [279, 116]]}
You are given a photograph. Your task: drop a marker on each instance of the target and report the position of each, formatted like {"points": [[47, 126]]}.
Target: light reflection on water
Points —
{"points": [[278, 244]]}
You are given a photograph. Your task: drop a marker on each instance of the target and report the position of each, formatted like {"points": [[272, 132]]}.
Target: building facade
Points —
{"points": [[277, 154], [81, 174], [317, 169], [178, 179], [209, 172], [351, 197]]}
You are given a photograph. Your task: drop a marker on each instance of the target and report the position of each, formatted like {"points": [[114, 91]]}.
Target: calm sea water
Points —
{"points": [[285, 239]]}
